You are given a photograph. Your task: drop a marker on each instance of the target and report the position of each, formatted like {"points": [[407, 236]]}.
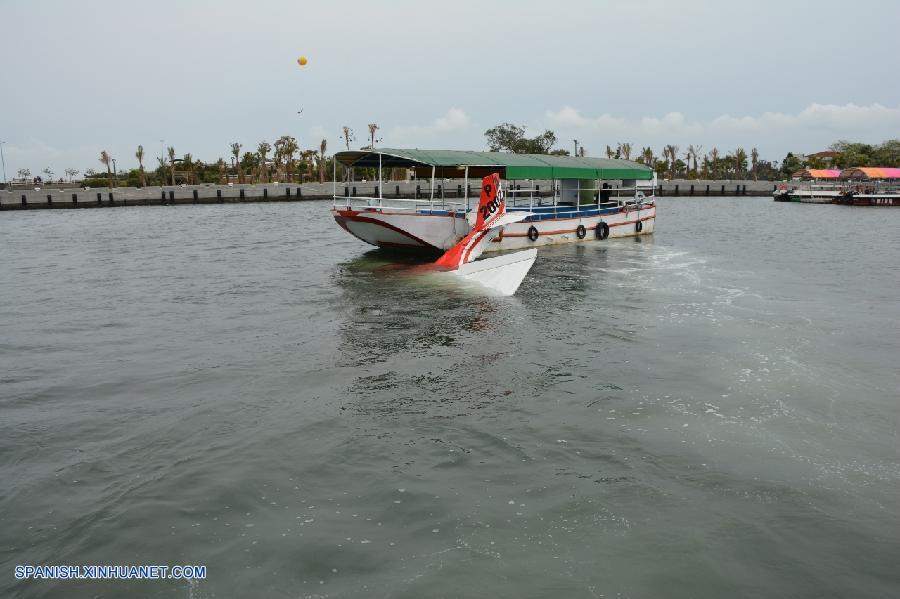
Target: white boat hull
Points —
{"points": [[403, 230], [566, 230], [439, 232]]}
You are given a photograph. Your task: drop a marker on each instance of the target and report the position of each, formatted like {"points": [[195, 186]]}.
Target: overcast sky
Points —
{"points": [[79, 76]]}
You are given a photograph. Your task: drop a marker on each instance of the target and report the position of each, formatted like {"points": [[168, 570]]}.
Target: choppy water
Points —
{"points": [[710, 412]]}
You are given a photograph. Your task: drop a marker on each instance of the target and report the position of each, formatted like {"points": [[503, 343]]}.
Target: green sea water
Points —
{"points": [[710, 411]]}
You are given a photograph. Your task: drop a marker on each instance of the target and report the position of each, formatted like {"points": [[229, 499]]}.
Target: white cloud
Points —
{"points": [[673, 123], [445, 131], [810, 129], [570, 117], [454, 119], [847, 118]]}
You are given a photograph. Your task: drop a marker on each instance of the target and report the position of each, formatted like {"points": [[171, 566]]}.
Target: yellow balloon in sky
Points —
{"points": [[302, 61]]}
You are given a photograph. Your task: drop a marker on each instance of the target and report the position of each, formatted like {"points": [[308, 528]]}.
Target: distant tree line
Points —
{"points": [[670, 163], [846, 154], [281, 161], [714, 164], [284, 161]]}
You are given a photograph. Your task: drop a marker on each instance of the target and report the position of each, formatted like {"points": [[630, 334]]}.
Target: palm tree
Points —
{"points": [[47, 171], [754, 157], [71, 172], [284, 152], [714, 159], [290, 149], [348, 136], [276, 159], [740, 162], [106, 160], [728, 168], [171, 151], [625, 148], [647, 155], [373, 127], [162, 170], [140, 156], [187, 164], [223, 177], [322, 147], [691, 153], [262, 150], [236, 152], [610, 152], [671, 151], [308, 157]]}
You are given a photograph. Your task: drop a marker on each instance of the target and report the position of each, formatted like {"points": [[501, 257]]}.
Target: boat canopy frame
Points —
{"points": [[452, 163], [817, 173], [871, 173], [444, 164]]}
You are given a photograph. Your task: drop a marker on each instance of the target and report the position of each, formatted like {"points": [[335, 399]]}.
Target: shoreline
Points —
{"points": [[79, 197]]}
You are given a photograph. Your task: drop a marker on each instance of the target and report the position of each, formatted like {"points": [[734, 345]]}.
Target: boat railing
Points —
{"points": [[572, 210], [603, 198], [517, 197], [398, 204]]}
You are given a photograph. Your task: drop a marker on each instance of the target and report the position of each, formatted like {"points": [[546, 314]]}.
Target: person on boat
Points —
{"points": [[604, 193]]}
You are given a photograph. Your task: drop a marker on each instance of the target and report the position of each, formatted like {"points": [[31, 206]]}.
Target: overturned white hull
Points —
{"points": [[502, 274]]}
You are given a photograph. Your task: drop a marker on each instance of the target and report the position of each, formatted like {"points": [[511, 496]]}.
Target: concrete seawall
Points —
{"points": [[292, 192], [712, 187], [213, 194]]}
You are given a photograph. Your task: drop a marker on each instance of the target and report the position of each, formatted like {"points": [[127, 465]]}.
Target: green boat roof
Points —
{"points": [[511, 166]]}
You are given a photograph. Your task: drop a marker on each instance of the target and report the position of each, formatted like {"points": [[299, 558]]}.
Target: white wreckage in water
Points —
{"points": [[502, 274]]}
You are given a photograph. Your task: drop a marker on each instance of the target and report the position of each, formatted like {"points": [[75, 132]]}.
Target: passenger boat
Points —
{"points": [[871, 186], [569, 199], [811, 186]]}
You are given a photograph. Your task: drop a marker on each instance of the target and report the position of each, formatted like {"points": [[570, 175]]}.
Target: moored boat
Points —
{"points": [[569, 199], [871, 186], [811, 186]]}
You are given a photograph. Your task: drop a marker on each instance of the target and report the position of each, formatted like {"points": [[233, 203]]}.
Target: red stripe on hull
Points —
{"points": [[560, 231], [343, 216]]}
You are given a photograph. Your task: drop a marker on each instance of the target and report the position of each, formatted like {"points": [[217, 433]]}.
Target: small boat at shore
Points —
{"points": [[811, 186], [857, 186], [871, 186], [586, 199]]}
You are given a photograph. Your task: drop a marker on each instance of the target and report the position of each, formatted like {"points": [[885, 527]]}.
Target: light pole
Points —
{"points": [[3, 159], [576, 147]]}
